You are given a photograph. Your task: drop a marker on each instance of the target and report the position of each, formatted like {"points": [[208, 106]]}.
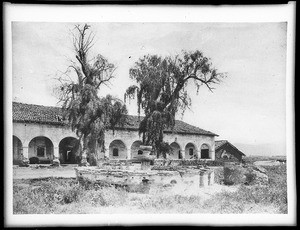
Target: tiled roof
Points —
{"points": [[29, 113], [220, 143], [37, 114]]}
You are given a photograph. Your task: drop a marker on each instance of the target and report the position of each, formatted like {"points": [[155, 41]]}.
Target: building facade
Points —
{"points": [[40, 133]]}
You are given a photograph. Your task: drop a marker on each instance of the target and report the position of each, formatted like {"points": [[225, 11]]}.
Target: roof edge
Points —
{"points": [[61, 123]]}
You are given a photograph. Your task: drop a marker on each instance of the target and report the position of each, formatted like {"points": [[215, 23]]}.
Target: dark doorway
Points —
{"points": [[69, 148], [205, 153]]}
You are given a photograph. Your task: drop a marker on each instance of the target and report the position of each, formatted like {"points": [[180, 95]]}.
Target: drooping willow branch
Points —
{"points": [[161, 89]]}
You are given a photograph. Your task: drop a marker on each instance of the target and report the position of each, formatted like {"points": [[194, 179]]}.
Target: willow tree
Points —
{"points": [[88, 114], [161, 91]]}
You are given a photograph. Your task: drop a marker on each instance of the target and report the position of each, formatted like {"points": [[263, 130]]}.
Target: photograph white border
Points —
{"points": [[132, 13]]}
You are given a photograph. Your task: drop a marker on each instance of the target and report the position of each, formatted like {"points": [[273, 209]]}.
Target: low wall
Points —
{"points": [[135, 180]]}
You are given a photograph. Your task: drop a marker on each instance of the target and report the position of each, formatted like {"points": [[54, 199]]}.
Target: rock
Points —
{"points": [[56, 162], [256, 175], [261, 178], [259, 168], [249, 175], [23, 163]]}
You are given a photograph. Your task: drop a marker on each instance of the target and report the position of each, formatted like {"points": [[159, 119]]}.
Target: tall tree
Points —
{"points": [[89, 114], [161, 91]]}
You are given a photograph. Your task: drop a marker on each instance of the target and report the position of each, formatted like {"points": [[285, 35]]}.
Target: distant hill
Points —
{"points": [[262, 149]]}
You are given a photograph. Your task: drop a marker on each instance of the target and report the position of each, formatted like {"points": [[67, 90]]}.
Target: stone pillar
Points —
{"points": [[211, 177], [212, 154], [128, 156], [182, 153], [203, 179], [56, 153], [55, 160], [25, 153], [199, 154]]}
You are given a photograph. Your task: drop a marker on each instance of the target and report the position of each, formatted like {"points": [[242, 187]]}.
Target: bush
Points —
{"points": [[272, 195], [34, 160]]}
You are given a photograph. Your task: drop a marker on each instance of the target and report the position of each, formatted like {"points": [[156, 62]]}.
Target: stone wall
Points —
{"points": [[135, 180]]}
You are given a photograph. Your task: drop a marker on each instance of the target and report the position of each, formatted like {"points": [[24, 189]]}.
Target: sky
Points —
{"points": [[247, 107]]}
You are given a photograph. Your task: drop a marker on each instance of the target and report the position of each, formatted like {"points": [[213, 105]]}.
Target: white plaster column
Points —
{"points": [[128, 154], [56, 152], [182, 154], [212, 154], [198, 154], [25, 152]]}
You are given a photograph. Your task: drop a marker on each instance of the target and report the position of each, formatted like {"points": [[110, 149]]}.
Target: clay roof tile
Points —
{"points": [[29, 113]]}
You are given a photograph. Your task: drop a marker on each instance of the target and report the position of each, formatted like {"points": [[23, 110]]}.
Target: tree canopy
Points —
{"points": [[89, 114], [161, 90]]}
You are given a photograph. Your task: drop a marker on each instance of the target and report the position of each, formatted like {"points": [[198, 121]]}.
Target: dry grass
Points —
{"points": [[54, 195]]}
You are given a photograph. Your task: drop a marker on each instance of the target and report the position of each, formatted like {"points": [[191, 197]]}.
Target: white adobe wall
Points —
{"points": [[27, 131]]}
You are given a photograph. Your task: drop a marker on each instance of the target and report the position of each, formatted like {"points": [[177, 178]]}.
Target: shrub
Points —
{"points": [[273, 195], [34, 160]]}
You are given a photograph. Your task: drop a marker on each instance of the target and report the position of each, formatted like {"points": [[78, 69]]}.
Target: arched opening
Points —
{"points": [[204, 151], [190, 151], [40, 150], [135, 149], [117, 150], [17, 150], [69, 150], [175, 154]]}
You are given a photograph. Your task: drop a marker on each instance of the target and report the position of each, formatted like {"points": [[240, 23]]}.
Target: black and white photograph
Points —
{"points": [[138, 115]]}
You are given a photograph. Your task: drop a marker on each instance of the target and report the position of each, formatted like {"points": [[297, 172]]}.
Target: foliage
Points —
{"points": [[89, 114], [161, 90]]}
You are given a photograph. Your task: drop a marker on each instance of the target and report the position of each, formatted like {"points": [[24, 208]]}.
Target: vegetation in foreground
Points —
{"points": [[56, 195]]}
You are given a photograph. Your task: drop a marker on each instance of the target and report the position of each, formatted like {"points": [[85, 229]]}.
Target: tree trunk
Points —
{"points": [[83, 153], [96, 152]]}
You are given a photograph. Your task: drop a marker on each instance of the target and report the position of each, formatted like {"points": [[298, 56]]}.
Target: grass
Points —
{"points": [[54, 195]]}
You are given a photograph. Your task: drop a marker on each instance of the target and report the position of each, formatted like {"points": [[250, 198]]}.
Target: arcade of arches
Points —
{"points": [[41, 149]]}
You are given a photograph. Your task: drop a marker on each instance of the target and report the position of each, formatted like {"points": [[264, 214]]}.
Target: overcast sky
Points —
{"points": [[247, 107]]}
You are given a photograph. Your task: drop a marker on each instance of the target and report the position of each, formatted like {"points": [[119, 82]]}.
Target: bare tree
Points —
{"points": [[87, 113]]}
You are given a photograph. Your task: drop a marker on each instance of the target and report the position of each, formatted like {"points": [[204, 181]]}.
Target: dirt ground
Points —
{"points": [[34, 171]]}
